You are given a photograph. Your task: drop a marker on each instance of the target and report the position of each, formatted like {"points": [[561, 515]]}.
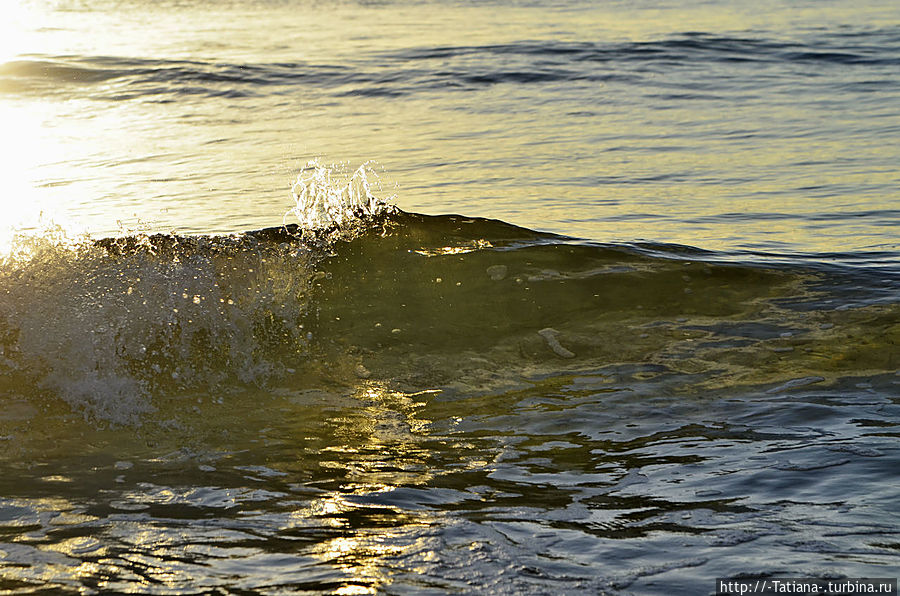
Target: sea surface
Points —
{"points": [[395, 297]]}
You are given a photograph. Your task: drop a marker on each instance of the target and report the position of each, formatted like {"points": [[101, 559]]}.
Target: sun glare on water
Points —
{"points": [[26, 144], [17, 194], [16, 126], [17, 14]]}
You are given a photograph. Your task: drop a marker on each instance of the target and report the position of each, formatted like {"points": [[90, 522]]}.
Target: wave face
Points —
{"points": [[118, 327]]}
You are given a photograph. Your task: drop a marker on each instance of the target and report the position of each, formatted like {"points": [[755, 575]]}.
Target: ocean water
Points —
{"points": [[402, 297]]}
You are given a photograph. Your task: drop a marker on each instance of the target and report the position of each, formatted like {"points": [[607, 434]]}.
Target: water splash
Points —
{"points": [[118, 326], [121, 327], [325, 198]]}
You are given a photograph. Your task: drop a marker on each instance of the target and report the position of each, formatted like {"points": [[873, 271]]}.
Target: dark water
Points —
{"points": [[660, 345]]}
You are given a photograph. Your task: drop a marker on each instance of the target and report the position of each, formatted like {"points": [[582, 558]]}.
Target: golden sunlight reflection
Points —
{"points": [[359, 554], [363, 554], [471, 246], [384, 437]]}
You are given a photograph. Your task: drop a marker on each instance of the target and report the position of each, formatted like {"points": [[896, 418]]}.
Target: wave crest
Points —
{"points": [[326, 199]]}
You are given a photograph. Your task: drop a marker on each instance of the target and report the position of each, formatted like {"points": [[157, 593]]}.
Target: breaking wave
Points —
{"points": [[126, 330]]}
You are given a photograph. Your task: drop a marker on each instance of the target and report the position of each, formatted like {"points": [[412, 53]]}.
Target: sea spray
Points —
{"points": [[118, 326], [107, 325], [325, 199]]}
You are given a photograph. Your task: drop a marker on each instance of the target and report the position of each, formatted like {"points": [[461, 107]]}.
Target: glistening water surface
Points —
{"points": [[768, 127], [659, 346]]}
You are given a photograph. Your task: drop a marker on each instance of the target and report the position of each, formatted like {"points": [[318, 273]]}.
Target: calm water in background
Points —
{"points": [[697, 377], [769, 127]]}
